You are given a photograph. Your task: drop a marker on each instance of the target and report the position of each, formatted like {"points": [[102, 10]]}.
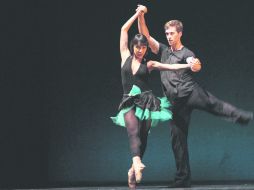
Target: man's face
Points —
{"points": [[172, 35]]}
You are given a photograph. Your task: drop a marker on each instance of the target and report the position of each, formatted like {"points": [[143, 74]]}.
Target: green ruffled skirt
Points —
{"points": [[146, 106]]}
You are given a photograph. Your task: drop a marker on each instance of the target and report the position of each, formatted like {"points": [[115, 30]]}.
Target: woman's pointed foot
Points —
{"points": [[131, 179], [138, 168]]}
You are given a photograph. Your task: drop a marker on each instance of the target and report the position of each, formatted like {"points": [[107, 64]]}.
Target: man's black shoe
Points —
{"points": [[245, 118], [180, 185]]}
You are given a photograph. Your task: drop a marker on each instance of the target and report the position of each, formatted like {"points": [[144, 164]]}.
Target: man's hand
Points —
{"points": [[196, 65]]}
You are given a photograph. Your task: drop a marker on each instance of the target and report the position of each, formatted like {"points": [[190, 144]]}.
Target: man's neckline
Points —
{"points": [[179, 49]]}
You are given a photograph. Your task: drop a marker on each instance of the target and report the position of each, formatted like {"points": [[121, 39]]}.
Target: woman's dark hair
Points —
{"points": [[139, 39]]}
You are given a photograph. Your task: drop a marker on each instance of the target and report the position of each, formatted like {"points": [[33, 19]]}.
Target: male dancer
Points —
{"points": [[185, 94]]}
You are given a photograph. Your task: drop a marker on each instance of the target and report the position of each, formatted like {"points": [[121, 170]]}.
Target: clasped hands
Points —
{"points": [[194, 63]]}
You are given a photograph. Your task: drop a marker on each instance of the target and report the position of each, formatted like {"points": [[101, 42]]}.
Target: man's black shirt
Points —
{"points": [[178, 83]]}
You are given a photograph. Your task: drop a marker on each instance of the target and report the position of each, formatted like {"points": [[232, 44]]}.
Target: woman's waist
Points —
{"points": [[142, 93], [129, 88]]}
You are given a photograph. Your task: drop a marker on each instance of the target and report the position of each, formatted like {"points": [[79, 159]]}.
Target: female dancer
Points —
{"points": [[139, 108]]}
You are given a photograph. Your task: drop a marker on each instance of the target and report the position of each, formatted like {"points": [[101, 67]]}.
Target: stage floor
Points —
{"points": [[141, 187]]}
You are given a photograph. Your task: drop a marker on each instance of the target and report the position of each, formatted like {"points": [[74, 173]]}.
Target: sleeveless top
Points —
{"points": [[140, 78], [138, 96]]}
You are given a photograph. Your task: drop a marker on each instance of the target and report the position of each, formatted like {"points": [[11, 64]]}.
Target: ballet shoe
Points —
{"points": [[131, 179], [138, 168]]}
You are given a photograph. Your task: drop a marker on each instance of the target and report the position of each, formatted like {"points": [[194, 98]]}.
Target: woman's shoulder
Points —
{"points": [[124, 62]]}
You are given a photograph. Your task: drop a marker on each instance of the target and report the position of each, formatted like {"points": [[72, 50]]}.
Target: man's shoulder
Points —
{"points": [[162, 46], [187, 51]]}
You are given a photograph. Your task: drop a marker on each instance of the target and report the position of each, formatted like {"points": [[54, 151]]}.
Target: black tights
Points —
{"points": [[137, 132]]}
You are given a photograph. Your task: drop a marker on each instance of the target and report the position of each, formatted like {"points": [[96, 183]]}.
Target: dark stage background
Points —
{"points": [[60, 83]]}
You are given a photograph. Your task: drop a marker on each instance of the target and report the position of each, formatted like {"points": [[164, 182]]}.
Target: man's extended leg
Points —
{"points": [[204, 100]]}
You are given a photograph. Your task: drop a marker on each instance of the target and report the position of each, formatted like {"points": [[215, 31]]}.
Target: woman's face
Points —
{"points": [[139, 50]]}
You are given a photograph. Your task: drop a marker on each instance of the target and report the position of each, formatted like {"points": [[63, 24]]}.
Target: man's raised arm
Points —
{"points": [[142, 27]]}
